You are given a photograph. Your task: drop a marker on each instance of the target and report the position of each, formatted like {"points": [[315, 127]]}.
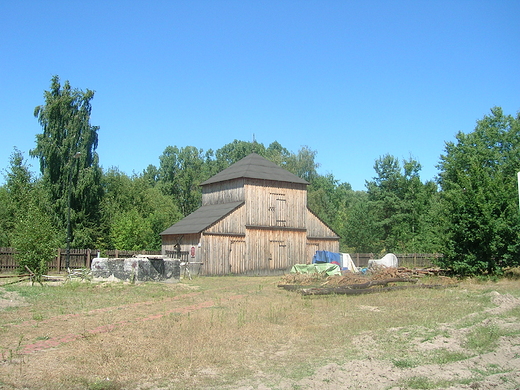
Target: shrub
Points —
{"points": [[35, 240]]}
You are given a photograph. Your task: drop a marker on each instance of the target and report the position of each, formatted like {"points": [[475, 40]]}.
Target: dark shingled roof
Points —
{"points": [[203, 217], [255, 166]]}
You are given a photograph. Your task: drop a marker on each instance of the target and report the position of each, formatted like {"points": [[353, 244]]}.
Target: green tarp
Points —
{"points": [[329, 269]]}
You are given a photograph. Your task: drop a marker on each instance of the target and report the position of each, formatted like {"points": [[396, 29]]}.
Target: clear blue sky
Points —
{"points": [[353, 80]]}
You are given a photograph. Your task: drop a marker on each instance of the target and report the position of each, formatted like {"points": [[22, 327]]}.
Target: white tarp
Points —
{"points": [[389, 260], [347, 263]]}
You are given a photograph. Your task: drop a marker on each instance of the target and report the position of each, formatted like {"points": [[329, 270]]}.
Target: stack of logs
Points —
{"points": [[375, 280]]}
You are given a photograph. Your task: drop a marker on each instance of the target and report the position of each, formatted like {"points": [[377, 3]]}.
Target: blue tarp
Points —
{"points": [[327, 257]]}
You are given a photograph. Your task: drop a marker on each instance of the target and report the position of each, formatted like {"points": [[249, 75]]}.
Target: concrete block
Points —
{"points": [[136, 269]]}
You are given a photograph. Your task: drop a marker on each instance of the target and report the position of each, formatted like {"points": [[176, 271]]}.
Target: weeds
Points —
{"points": [[13, 356], [404, 363], [445, 356], [101, 384], [419, 382], [482, 338], [276, 315], [37, 316]]}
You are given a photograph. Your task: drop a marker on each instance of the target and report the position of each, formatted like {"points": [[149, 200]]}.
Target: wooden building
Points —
{"points": [[253, 220]]}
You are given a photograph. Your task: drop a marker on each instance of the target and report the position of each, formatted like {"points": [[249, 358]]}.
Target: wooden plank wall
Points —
{"points": [[223, 192], [312, 247], [275, 249], [259, 211], [215, 255], [238, 260], [260, 250], [186, 241], [321, 245], [234, 223], [317, 228]]}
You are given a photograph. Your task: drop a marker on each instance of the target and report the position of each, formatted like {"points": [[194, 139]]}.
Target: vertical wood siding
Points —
{"points": [[312, 247], [216, 255], [316, 227], [223, 192], [272, 231], [315, 244], [233, 223], [186, 242], [275, 249], [238, 261], [271, 203]]}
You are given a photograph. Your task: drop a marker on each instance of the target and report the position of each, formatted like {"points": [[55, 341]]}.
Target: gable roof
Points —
{"points": [[202, 218], [255, 166]]}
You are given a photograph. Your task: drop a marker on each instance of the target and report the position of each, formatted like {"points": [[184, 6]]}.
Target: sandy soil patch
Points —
{"points": [[499, 369], [10, 299]]}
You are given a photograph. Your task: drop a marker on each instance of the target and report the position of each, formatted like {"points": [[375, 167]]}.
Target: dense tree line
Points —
{"points": [[470, 212]]}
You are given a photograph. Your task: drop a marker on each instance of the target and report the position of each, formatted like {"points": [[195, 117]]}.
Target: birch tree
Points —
{"points": [[69, 163]]}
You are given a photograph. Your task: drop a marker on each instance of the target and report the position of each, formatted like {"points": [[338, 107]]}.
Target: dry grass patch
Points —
{"points": [[223, 332]]}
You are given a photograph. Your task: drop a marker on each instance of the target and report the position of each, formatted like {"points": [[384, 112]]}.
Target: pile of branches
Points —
{"points": [[377, 279]]}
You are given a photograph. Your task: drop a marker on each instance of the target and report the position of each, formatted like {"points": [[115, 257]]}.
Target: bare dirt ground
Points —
{"points": [[10, 299], [378, 375]]}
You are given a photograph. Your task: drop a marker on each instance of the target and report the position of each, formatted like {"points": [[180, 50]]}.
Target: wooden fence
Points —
{"points": [[81, 258]]}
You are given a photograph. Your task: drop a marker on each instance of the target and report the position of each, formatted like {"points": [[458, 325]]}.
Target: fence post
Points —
{"points": [[88, 259], [59, 260]]}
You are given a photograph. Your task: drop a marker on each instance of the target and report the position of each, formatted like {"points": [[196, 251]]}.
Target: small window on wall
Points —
{"points": [[277, 209]]}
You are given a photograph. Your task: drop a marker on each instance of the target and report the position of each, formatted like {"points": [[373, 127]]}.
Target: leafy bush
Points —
{"points": [[35, 240], [480, 199]]}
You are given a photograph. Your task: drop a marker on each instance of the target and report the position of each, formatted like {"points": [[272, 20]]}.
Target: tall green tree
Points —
{"points": [[151, 175], [180, 173], [5, 218], [35, 238], [135, 205], [131, 231], [235, 151], [303, 163], [16, 195], [19, 180], [276, 153], [400, 202], [358, 225], [327, 197], [27, 223], [478, 177], [68, 162]]}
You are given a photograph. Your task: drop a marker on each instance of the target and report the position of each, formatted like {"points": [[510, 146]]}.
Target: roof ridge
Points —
{"points": [[255, 166]]}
